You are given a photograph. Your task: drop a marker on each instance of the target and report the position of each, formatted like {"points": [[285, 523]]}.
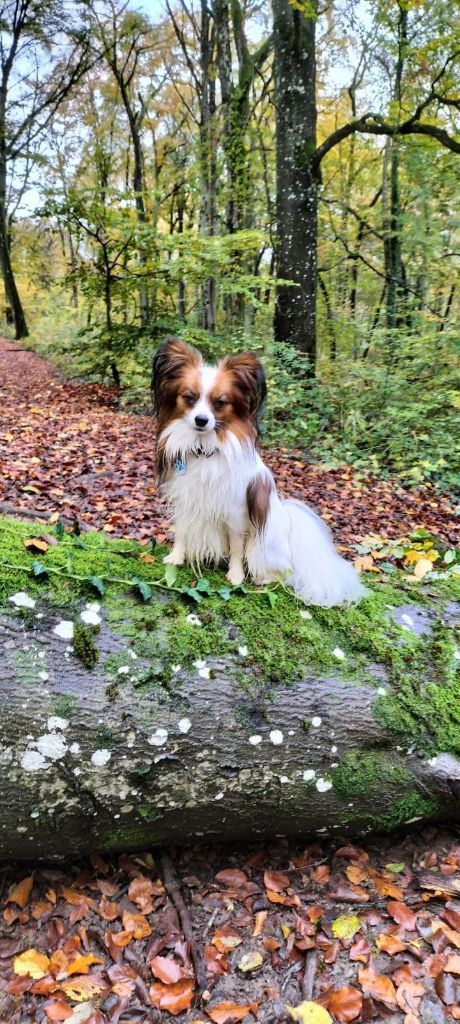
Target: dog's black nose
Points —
{"points": [[201, 421]]}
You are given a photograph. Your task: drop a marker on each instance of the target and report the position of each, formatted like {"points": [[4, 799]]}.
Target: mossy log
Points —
{"points": [[151, 718]]}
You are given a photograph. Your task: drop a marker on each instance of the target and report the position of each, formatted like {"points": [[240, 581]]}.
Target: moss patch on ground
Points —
{"points": [[271, 636]]}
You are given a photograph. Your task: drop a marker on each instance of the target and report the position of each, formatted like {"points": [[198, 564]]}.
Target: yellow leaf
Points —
{"points": [[32, 962], [309, 1013], [285, 930], [422, 567], [413, 556], [250, 962], [346, 926], [80, 989]]}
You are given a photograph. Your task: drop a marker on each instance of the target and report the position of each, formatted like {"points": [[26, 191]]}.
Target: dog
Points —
{"points": [[223, 497]]}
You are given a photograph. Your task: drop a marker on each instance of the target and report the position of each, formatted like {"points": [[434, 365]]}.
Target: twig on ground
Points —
{"points": [[309, 974], [173, 889]]}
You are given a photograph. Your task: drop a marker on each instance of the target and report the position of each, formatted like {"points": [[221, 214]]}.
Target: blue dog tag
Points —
{"points": [[180, 467]]}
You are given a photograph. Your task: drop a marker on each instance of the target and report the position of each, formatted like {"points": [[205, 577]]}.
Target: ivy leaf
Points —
{"points": [[395, 868], [193, 593], [272, 598], [170, 575], [387, 567], [449, 556], [144, 589], [224, 593], [59, 529], [97, 583], [204, 586], [38, 569]]}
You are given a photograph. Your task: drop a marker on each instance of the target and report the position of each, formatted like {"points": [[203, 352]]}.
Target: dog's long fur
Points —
{"points": [[223, 497]]}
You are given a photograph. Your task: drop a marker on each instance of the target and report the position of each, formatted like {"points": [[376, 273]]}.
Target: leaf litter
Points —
{"points": [[103, 941]]}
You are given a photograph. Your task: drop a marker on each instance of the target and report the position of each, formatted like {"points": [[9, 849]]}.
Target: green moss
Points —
{"points": [[84, 645], [358, 773], [65, 706], [124, 838], [404, 810]]}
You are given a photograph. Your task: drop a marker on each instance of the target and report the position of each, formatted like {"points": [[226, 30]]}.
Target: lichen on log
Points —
{"points": [[134, 714]]}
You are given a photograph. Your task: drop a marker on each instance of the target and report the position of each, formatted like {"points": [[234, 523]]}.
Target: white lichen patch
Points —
{"points": [[200, 663], [323, 785], [101, 757], [64, 630], [205, 673], [316, 722], [158, 738], [338, 653], [305, 615], [457, 655], [176, 668], [55, 722], [34, 761], [22, 600], [74, 748], [219, 796], [184, 725], [333, 750], [243, 651], [90, 616], [255, 740], [52, 745], [407, 619], [308, 775], [43, 676], [381, 691], [276, 737], [283, 779], [194, 620], [124, 670]]}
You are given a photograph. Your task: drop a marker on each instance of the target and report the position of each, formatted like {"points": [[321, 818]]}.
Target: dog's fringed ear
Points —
{"points": [[169, 361], [249, 375]]}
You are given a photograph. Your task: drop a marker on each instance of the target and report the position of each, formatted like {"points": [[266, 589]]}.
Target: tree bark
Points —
{"points": [[296, 192], [92, 758], [11, 291]]}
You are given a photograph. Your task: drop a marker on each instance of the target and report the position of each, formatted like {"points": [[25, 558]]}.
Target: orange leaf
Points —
{"points": [[356, 874], [21, 892], [321, 875], [82, 964], [260, 919], [232, 878], [227, 1013], [275, 881], [137, 924], [453, 964], [226, 939], [390, 944], [345, 1004], [166, 970], [121, 939], [58, 1010], [376, 985], [402, 915], [173, 998]]}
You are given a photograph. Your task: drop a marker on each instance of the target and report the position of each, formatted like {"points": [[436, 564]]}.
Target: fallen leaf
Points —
{"points": [[376, 985], [390, 944], [309, 1013], [250, 962], [453, 964], [173, 998], [260, 919], [82, 964], [32, 962], [402, 915], [276, 881], [137, 924], [227, 1013], [226, 939], [232, 878], [346, 926], [21, 892], [81, 988], [166, 970], [345, 1004]]}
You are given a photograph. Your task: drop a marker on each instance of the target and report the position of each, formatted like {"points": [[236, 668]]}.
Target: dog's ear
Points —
{"points": [[249, 376], [169, 362]]}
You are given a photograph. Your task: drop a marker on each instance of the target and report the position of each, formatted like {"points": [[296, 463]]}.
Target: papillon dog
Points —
{"points": [[223, 497]]}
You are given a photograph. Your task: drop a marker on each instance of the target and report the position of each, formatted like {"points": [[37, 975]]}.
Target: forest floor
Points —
{"points": [[65, 448], [371, 932]]}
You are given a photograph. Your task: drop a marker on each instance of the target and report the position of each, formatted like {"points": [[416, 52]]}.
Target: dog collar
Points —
{"points": [[181, 466]]}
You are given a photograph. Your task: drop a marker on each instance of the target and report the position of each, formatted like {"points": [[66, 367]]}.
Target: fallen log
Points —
{"points": [[140, 707]]}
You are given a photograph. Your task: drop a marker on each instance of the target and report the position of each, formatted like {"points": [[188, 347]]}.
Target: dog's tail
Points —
{"points": [[320, 575]]}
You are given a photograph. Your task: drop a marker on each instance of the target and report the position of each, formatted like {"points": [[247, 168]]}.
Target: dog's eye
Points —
{"points": [[190, 399], [219, 403]]}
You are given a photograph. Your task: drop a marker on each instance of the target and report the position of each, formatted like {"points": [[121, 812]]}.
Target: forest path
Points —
{"points": [[64, 447]]}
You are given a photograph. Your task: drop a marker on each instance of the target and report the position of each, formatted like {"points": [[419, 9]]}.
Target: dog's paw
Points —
{"points": [[174, 558], [235, 576]]}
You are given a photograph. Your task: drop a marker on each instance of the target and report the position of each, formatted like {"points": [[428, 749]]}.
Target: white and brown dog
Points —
{"points": [[223, 497]]}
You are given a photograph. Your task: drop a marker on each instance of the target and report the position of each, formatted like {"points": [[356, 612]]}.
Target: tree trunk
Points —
{"points": [[11, 291], [247, 737], [296, 191]]}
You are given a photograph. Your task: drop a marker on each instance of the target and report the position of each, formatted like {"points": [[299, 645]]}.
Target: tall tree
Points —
{"points": [[32, 34]]}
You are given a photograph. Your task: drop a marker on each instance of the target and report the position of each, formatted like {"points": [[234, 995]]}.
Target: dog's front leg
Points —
{"points": [[235, 573], [177, 555]]}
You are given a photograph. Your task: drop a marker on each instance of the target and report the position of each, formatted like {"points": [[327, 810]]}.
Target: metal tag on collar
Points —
{"points": [[180, 467]]}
